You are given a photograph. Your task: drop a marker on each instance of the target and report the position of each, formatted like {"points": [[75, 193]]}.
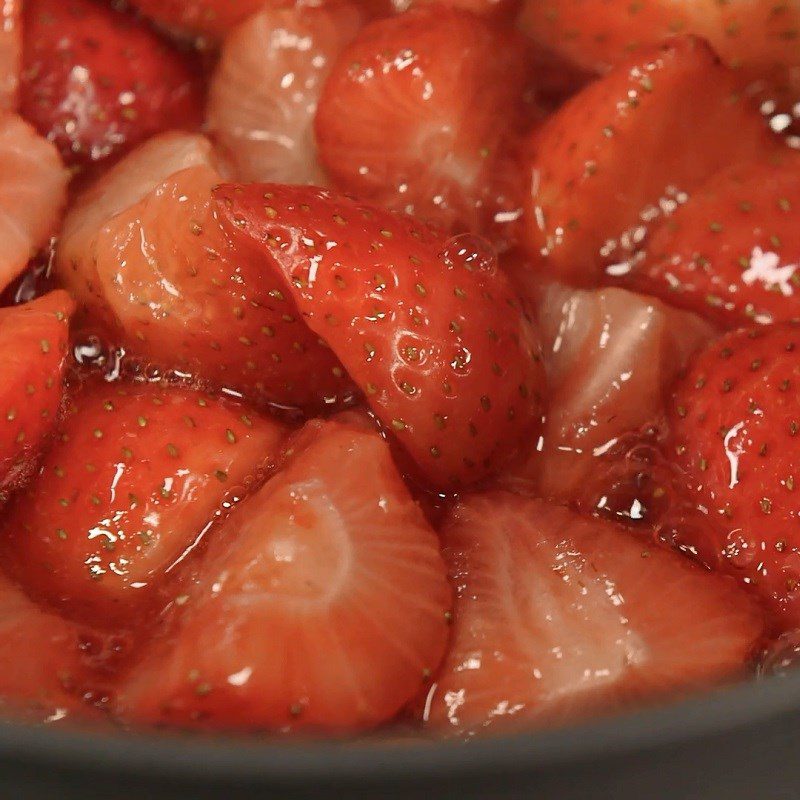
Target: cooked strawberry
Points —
{"points": [[152, 271], [321, 604], [417, 110], [33, 346], [138, 475], [735, 432], [626, 150], [96, 80], [558, 616], [732, 252], [10, 53], [430, 330], [264, 93], [495, 9], [206, 18]]}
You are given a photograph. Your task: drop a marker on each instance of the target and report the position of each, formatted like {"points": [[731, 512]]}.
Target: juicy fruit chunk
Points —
{"points": [[10, 53], [33, 349], [732, 253], [139, 474], [736, 434], [429, 329], [208, 18], [416, 109], [265, 89], [558, 616], [152, 270], [96, 80], [627, 150], [321, 604]]}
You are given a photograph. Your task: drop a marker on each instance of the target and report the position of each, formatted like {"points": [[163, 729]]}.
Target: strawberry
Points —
{"points": [[733, 251], [209, 19], [495, 9], [10, 53], [558, 616], [33, 346], [626, 150], [143, 254], [96, 81], [138, 475], [430, 330], [321, 605], [735, 420], [417, 109]]}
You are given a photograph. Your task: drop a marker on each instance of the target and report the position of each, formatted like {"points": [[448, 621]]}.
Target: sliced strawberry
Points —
{"points": [[265, 89], [626, 150], [139, 474], [142, 252], [733, 252], [558, 616], [33, 346], [736, 434], [10, 53], [430, 330], [416, 112], [206, 18], [321, 604], [96, 80]]}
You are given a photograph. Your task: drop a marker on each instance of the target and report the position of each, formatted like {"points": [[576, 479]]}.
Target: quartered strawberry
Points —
{"points": [[138, 475], [558, 616], [33, 347], [429, 329], [732, 253], [265, 89], [96, 80], [627, 150], [10, 53], [736, 434], [321, 605], [144, 256], [206, 18], [417, 110]]}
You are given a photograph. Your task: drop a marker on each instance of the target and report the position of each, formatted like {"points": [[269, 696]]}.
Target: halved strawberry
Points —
{"points": [[33, 346], [207, 18], [627, 150], [96, 80], [732, 253], [321, 604], [430, 330], [417, 110], [559, 616], [138, 475], [264, 92], [10, 53], [152, 271]]}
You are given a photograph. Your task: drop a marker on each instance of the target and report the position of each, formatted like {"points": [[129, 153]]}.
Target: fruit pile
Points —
{"points": [[367, 362]]}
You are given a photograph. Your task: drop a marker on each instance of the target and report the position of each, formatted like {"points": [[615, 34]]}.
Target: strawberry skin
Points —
{"points": [[207, 18], [137, 476], [96, 81], [559, 616], [736, 435], [430, 330], [321, 604]]}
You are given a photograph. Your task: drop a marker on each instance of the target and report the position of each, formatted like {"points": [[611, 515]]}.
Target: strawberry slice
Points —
{"points": [[558, 616], [10, 53], [321, 604], [265, 89], [626, 150], [96, 80], [33, 346], [139, 474], [735, 425], [142, 252], [733, 252], [430, 330], [206, 18], [417, 109]]}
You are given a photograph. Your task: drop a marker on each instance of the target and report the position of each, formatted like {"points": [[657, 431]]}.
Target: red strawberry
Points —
{"points": [[430, 331], [736, 434], [733, 252], [495, 9], [559, 616], [33, 346], [143, 254], [95, 80], [416, 112], [322, 603], [207, 18], [139, 474], [626, 150], [10, 53]]}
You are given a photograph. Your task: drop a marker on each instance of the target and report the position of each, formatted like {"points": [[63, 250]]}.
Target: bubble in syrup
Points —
{"points": [[470, 252]]}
